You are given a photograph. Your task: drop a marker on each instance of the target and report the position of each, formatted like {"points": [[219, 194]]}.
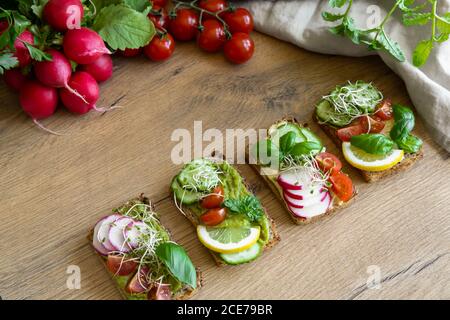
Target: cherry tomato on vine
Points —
{"points": [[159, 17], [184, 26], [212, 37], [239, 20], [160, 3], [239, 48], [160, 48], [212, 6], [130, 52], [214, 200], [214, 216]]}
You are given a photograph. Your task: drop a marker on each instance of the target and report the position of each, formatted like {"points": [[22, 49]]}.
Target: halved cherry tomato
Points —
{"points": [[342, 185], [345, 134], [214, 200], [119, 265], [214, 216], [212, 6], [371, 124], [384, 110], [239, 20], [328, 162]]}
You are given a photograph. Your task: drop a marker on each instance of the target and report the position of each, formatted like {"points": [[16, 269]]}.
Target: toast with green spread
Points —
{"points": [[230, 221], [306, 179], [140, 256], [375, 136]]}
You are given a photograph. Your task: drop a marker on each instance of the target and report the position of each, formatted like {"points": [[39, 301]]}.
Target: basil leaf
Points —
{"points": [[373, 143], [305, 148], [287, 141], [410, 144], [178, 262], [404, 122]]}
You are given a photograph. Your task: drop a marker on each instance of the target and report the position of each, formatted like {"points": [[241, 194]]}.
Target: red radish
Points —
{"points": [[289, 180], [133, 233], [130, 52], [311, 191], [160, 292], [101, 69], [293, 195], [313, 210], [117, 234], [120, 265], [63, 14], [292, 202], [103, 231], [15, 79], [305, 201], [84, 45], [21, 52], [87, 87], [95, 241], [139, 282]]}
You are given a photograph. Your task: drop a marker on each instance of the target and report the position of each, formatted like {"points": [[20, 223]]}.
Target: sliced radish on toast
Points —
{"points": [[117, 234], [289, 180], [314, 209], [133, 232], [103, 231], [95, 242]]}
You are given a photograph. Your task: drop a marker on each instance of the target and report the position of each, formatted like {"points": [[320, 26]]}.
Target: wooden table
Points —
{"points": [[53, 189]]}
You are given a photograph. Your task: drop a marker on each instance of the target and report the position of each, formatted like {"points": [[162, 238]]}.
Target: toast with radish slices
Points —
{"points": [[140, 256], [306, 179], [230, 221]]}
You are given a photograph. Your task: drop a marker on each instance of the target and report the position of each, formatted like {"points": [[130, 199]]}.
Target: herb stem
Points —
{"points": [[433, 34], [381, 26]]}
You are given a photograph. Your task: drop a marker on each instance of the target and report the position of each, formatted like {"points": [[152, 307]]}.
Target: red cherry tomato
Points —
{"points": [[213, 216], [342, 185], [239, 48], [184, 26], [371, 125], [130, 52], [239, 20], [160, 48], [212, 37], [328, 162], [384, 110], [212, 6], [345, 134], [159, 17], [160, 3], [214, 200]]}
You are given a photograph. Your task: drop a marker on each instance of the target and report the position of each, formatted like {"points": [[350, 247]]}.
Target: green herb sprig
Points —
{"points": [[248, 205], [377, 38]]}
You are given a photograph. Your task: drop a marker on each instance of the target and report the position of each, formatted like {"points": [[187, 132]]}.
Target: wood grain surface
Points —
{"points": [[53, 189]]}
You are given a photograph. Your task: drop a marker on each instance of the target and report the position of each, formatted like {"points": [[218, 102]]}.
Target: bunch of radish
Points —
{"points": [[214, 24], [42, 84], [304, 197]]}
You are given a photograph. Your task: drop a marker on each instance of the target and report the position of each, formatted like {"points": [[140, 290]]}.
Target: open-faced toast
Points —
{"points": [[134, 273], [312, 162], [374, 135], [234, 191]]}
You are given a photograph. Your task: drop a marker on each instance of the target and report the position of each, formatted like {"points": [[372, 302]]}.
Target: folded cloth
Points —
{"points": [[300, 22]]}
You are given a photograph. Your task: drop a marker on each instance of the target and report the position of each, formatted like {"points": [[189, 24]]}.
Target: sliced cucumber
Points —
{"points": [[326, 113], [281, 129], [310, 136], [244, 256], [183, 195]]}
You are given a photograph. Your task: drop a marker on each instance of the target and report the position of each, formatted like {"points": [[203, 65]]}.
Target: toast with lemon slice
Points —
{"points": [[230, 221], [305, 178], [374, 135]]}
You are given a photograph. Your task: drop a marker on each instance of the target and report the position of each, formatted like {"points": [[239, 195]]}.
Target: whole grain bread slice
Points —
{"points": [[274, 237], [183, 294], [337, 206], [372, 176]]}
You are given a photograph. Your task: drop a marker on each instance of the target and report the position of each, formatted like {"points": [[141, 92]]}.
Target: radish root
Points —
{"points": [[41, 126], [75, 92], [106, 109]]}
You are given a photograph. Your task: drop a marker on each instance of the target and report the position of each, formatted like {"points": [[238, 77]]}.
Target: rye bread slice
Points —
{"points": [[299, 220], [183, 294], [274, 237], [372, 176]]}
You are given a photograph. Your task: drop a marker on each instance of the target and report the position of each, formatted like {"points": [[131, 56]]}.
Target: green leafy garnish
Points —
{"points": [[7, 62], [377, 39], [401, 131], [178, 262], [377, 144], [123, 27], [248, 205]]}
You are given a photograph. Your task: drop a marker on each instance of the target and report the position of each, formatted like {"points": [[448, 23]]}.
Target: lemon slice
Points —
{"points": [[370, 162], [228, 240]]}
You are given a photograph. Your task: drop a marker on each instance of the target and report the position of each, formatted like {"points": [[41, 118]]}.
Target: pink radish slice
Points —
{"points": [[313, 210], [291, 202], [305, 202], [117, 234], [95, 242], [288, 181], [307, 191], [133, 232], [103, 231]]}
